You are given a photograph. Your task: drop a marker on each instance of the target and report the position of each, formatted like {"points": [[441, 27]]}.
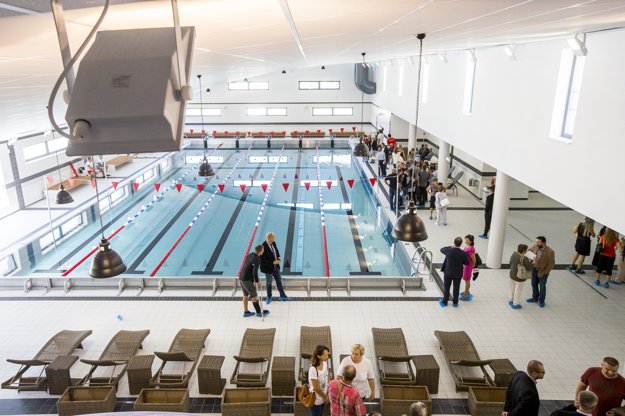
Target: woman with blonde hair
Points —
{"points": [[364, 381], [607, 246], [441, 201], [620, 262], [584, 232]]}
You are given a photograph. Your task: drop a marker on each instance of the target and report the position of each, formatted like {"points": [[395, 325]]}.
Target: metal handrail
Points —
{"points": [[423, 256]]}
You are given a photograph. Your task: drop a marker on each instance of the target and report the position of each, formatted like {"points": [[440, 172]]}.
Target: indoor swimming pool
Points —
{"points": [[202, 226]]}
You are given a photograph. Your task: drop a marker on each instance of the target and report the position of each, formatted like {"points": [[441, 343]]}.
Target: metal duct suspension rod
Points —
{"points": [[205, 168]]}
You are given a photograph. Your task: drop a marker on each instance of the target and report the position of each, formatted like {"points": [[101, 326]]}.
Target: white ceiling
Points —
{"points": [[244, 38]]}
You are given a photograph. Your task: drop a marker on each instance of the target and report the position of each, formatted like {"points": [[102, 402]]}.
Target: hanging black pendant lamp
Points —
{"points": [[106, 262], [410, 227], [361, 149], [63, 196], [205, 168]]}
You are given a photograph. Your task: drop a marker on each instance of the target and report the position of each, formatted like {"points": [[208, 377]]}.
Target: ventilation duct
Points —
{"points": [[363, 76]]}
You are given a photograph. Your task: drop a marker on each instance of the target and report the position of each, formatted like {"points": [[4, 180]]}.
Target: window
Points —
{"points": [[572, 98], [469, 83], [384, 73], [7, 265], [35, 151], [116, 197], [320, 85], [71, 225], [251, 85], [39, 150], [207, 112], [333, 111], [165, 164], [263, 111]]}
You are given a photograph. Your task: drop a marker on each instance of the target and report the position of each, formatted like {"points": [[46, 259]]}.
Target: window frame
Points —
{"points": [[319, 86], [332, 112], [572, 89], [248, 85]]}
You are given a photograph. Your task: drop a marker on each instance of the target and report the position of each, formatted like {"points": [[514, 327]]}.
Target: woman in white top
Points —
{"points": [[441, 209], [397, 157], [365, 379], [318, 377]]}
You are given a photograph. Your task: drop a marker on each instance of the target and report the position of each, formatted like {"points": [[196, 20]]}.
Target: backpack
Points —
{"points": [[521, 272], [305, 396]]}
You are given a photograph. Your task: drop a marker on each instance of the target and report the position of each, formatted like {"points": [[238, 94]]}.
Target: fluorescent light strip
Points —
{"points": [[289, 18]]}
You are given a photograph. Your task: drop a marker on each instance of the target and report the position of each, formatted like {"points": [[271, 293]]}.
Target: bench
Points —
{"points": [[118, 161], [348, 133], [263, 134], [73, 182], [308, 133]]}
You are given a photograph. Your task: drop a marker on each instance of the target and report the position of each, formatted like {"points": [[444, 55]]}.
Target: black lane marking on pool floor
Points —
{"points": [[288, 249], [133, 267], [360, 253], [210, 266]]}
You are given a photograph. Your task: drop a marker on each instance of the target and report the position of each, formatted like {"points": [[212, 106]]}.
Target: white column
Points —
{"points": [[443, 164], [412, 136], [499, 221]]}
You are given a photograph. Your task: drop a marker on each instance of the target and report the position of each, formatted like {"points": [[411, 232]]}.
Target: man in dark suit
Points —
{"points": [[488, 210], [587, 403], [522, 397], [270, 265], [455, 259]]}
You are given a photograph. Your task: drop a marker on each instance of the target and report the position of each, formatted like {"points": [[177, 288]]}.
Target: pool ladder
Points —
{"points": [[422, 262]]}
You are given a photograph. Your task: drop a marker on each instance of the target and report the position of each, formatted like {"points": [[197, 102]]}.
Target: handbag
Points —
{"points": [[444, 202], [305, 396], [521, 272]]}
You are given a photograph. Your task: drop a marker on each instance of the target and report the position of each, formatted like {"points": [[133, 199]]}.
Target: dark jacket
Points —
{"points": [[488, 208], [455, 258], [249, 272], [569, 410], [522, 396], [266, 265]]}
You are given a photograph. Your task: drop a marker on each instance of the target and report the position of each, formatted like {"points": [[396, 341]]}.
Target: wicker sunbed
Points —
{"points": [[309, 338], [122, 347], [60, 345], [461, 355], [255, 354], [185, 348], [391, 353]]}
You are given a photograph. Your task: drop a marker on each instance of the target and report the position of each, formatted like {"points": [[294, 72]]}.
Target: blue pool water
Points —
{"points": [[357, 233]]}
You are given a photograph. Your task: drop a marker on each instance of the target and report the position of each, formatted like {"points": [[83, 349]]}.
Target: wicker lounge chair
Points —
{"points": [[185, 348], [391, 353], [309, 338], [60, 345], [122, 347], [462, 357], [254, 359]]}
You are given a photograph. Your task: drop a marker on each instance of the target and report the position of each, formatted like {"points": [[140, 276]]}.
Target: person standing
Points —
{"points": [[467, 270], [606, 383], [584, 232], [424, 181], [391, 181], [249, 281], [522, 396], [364, 381], [587, 403], [345, 400], [381, 156], [518, 260], [609, 243], [441, 201], [620, 263], [544, 261], [318, 377], [455, 260], [488, 210], [270, 265], [432, 189]]}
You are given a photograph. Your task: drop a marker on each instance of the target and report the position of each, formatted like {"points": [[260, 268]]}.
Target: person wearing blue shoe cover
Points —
{"points": [[270, 265]]}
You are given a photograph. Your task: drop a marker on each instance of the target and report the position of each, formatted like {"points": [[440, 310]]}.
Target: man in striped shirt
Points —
{"points": [[344, 398]]}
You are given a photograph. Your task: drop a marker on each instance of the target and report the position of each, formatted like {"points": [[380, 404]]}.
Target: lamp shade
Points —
{"points": [[63, 197], [205, 169], [409, 227], [361, 150], [106, 263]]}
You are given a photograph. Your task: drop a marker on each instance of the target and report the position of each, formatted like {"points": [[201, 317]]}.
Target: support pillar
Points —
{"points": [[499, 222], [443, 164], [412, 136]]}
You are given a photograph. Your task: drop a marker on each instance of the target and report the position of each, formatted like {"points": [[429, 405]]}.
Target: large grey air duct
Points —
{"points": [[363, 76]]}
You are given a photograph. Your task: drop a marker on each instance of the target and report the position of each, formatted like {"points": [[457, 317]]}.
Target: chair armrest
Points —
{"points": [[396, 359], [172, 356], [31, 363], [103, 363], [250, 359], [471, 363]]}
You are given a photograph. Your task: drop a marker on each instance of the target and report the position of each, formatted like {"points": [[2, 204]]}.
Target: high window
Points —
{"points": [[248, 85], [320, 85], [333, 111]]}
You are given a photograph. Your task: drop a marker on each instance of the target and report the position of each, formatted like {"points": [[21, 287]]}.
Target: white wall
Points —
{"points": [[509, 127]]}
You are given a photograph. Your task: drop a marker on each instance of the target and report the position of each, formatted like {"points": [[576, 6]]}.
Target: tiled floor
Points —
{"points": [[580, 325]]}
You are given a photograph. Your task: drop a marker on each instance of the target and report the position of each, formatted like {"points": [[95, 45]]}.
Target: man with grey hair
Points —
{"points": [[270, 265], [344, 398], [418, 409], [586, 404]]}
